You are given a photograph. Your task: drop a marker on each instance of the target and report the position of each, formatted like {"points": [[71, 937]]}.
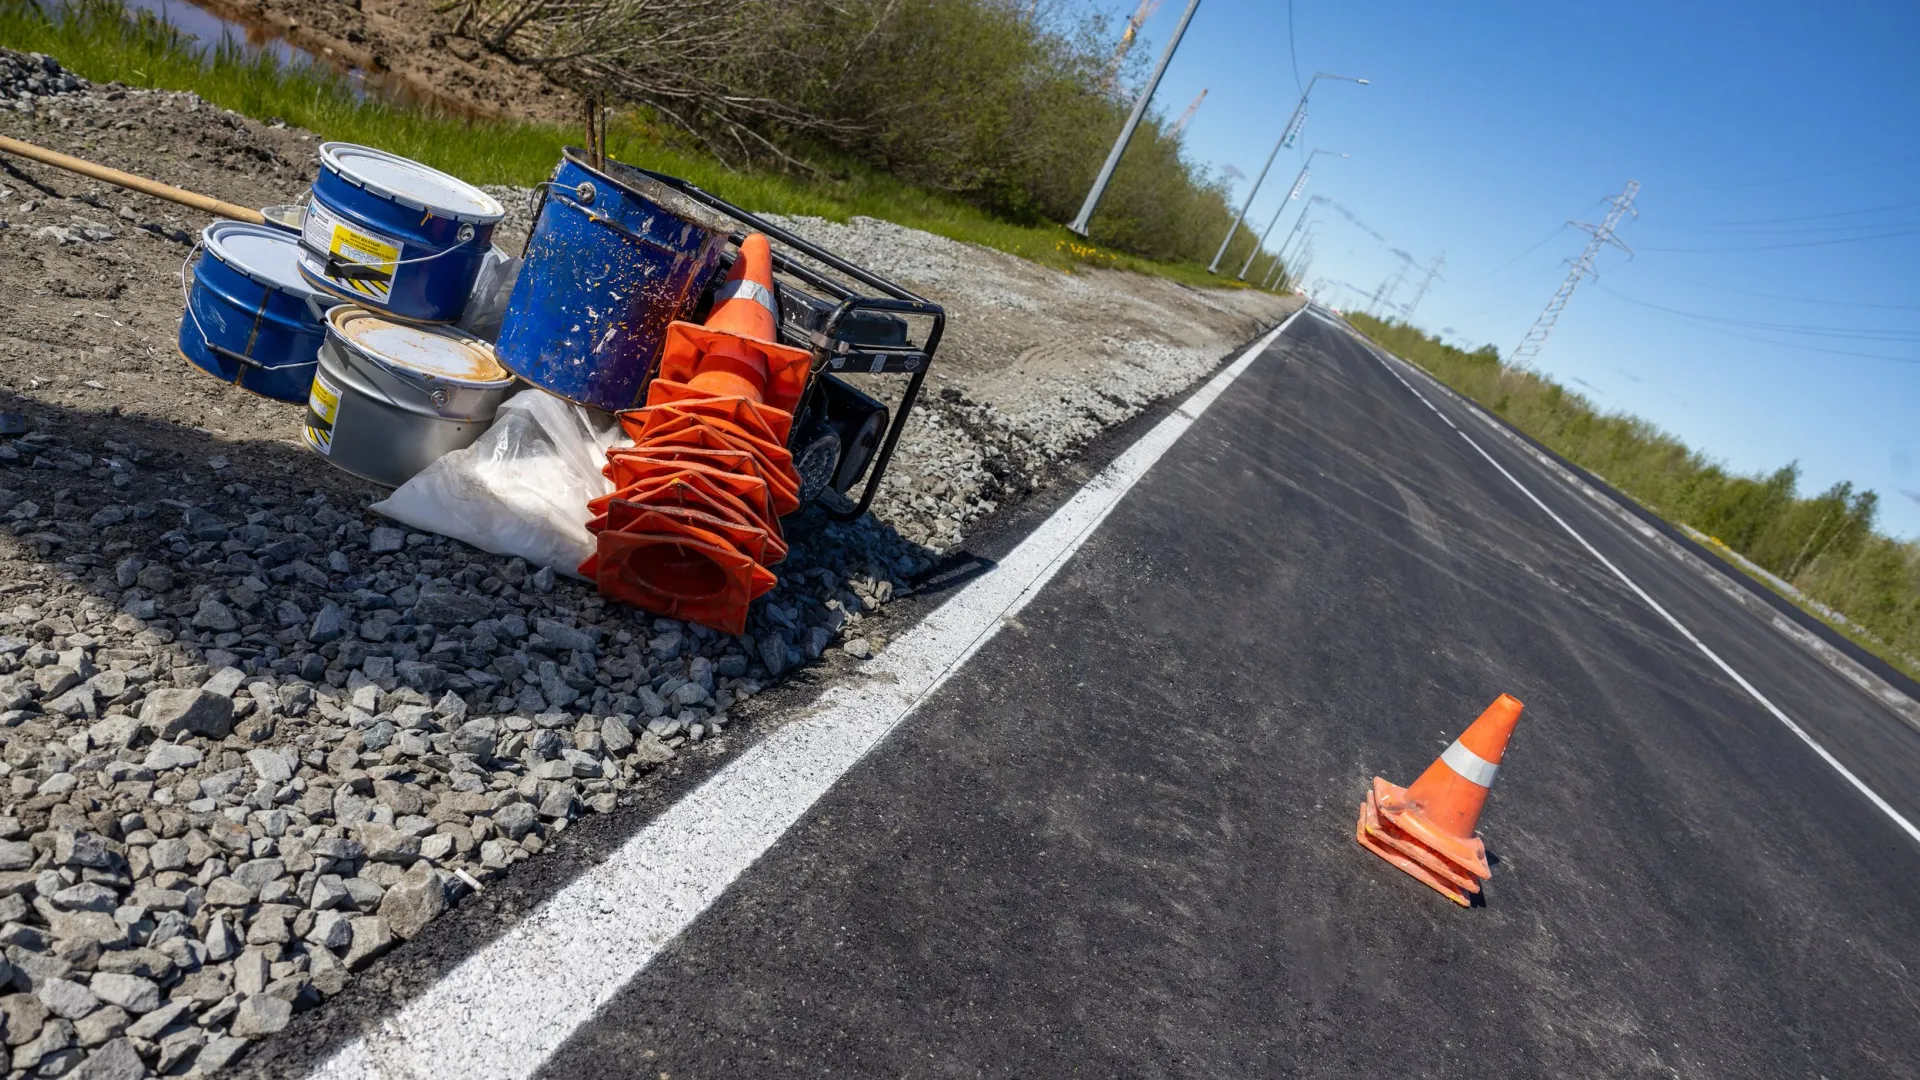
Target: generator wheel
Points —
{"points": [[817, 461]]}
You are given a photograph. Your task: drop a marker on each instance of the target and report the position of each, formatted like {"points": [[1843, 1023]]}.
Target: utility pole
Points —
{"points": [[1298, 222], [1433, 273], [1287, 136], [1186, 118], [1079, 222], [1299, 184], [1603, 235], [1286, 259]]}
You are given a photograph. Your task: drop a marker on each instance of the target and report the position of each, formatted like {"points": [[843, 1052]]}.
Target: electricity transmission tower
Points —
{"points": [[1186, 118], [1433, 274], [1383, 296], [1603, 235]]}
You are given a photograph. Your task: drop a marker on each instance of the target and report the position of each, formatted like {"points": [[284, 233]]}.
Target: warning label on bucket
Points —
{"points": [[323, 404], [358, 261]]}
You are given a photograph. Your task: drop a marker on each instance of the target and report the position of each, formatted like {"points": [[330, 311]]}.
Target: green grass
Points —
{"points": [[96, 41]]}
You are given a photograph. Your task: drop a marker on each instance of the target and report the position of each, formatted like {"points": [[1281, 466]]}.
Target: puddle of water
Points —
{"points": [[207, 30]]}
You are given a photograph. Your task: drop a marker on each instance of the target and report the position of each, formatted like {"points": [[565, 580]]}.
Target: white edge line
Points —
{"points": [[505, 1009], [1859, 785]]}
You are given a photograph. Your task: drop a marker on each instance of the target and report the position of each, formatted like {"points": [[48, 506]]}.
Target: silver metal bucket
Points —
{"points": [[390, 397]]}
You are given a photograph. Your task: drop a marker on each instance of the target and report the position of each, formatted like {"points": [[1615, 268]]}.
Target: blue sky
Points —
{"points": [[1779, 159]]}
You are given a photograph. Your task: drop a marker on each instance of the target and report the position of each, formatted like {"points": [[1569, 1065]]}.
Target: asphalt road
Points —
{"points": [[1119, 842]]}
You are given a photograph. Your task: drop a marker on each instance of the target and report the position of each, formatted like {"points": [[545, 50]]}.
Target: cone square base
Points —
{"points": [[1388, 835], [1414, 869], [1469, 854], [688, 345], [651, 571]]}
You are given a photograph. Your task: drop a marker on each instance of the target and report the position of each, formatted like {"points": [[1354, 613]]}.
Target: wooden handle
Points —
{"points": [[131, 182]]}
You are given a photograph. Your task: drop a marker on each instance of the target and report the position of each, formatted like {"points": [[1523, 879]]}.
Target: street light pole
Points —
{"points": [[1299, 183], [1286, 139], [1280, 260], [1079, 222], [1298, 223]]}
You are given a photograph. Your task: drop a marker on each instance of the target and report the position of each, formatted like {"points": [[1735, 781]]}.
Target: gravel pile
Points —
{"points": [[25, 76]]}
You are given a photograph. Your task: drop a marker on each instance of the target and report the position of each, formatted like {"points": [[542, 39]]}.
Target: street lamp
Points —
{"points": [[1299, 183], [1286, 139]]}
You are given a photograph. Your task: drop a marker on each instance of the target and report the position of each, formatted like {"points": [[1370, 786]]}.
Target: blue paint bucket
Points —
{"points": [[251, 319], [615, 256], [393, 235]]}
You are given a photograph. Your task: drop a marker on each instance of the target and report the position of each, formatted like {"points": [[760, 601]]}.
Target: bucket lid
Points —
{"points": [[411, 183], [425, 352], [268, 255]]}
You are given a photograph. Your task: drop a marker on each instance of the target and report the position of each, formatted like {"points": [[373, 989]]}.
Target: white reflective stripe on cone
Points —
{"points": [[1469, 765], [751, 290]]}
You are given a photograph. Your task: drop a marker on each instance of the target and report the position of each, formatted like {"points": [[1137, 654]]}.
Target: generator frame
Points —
{"points": [[834, 351]]}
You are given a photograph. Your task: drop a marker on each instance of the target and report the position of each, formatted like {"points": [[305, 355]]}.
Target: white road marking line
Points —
{"points": [[504, 1010], [1859, 785]]}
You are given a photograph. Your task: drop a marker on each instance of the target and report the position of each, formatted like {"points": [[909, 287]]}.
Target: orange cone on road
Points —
{"points": [[1427, 829]]}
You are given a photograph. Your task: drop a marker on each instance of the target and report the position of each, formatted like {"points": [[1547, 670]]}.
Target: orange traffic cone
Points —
{"points": [[735, 354], [693, 521], [1427, 829]]}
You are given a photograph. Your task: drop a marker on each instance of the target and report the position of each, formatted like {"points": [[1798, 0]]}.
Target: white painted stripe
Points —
{"points": [[505, 1009], [1471, 766], [1859, 785]]}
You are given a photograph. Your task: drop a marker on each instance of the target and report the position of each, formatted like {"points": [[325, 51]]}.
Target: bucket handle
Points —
{"points": [[350, 269], [583, 195], [186, 295]]}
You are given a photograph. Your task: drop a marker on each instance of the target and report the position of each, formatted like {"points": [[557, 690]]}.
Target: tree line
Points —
{"points": [[1011, 105]]}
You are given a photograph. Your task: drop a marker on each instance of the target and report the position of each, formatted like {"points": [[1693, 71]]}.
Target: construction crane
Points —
{"points": [[1186, 118], [1127, 37]]}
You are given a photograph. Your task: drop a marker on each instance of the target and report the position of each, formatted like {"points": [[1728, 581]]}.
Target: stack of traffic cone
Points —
{"points": [[694, 518], [1427, 829]]}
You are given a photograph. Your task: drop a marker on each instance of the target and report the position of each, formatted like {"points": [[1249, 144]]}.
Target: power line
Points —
{"points": [[1848, 170], [1792, 299], [1867, 228], [1785, 247], [1810, 217], [1794, 345], [1564, 226], [1856, 333], [1603, 235], [1293, 51]]}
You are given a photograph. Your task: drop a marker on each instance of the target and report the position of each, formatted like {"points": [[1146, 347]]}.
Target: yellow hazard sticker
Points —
{"points": [[323, 404], [358, 261]]}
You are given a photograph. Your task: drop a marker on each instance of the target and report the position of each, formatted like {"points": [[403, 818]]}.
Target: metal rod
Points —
{"points": [[127, 180], [1214, 266], [1079, 222]]}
